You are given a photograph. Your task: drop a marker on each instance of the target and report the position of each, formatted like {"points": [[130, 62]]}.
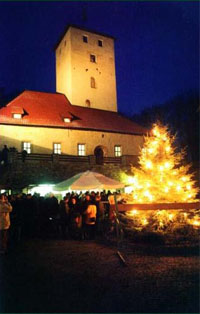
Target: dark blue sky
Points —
{"points": [[156, 49]]}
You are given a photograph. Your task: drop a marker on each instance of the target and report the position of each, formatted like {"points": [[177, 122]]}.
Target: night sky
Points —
{"points": [[156, 48]]}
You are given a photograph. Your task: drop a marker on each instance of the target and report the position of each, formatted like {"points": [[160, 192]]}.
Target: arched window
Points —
{"points": [[92, 82], [87, 103]]}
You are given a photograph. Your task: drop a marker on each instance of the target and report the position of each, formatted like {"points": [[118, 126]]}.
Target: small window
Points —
{"points": [[26, 146], [92, 82], [65, 42], [92, 58], [17, 115], [57, 148], [87, 103], [81, 149], [67, 120], [85, 39], [118, 151], [100, 43]]}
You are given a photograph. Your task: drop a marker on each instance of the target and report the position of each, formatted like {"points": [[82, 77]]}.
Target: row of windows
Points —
{"points": [[81, 149], [99, 41]]}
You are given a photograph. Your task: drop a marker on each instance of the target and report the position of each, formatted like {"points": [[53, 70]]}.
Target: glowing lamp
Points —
{"points": [[184, 179], [67, 120], [148, 164], [161, 168], [132, 180], [167, 165], [134, 211], [17, 115], [188, 186], [178, 188], [150, 150], [144, 221], [196, 223]]}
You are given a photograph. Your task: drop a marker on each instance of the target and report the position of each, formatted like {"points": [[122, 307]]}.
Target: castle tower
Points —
{"points": [[85, 69]]}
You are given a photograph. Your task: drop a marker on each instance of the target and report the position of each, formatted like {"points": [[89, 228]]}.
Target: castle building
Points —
{"points": [[85, 69], [79, 123]]}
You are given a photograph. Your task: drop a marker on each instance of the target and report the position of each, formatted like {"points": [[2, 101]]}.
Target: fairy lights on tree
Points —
{"points": [[162, 176]]}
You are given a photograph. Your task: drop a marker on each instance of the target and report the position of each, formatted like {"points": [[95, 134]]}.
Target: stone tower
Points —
{"points": [[85, 69]]}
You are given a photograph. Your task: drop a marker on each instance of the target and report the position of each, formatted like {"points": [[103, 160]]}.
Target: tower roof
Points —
{"points": [[83, 29]]}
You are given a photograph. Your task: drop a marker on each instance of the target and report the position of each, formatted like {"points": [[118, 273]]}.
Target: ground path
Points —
{"points": [[87, 277]]}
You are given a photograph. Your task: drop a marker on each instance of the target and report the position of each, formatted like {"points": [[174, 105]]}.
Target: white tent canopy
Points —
{"points": [[88, 180]]}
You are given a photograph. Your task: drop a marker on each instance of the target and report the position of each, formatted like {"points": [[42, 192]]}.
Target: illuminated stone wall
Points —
{"points": [[42, 140], [74, 70]]}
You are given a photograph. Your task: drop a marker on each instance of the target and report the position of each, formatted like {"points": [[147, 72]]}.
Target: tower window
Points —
{"points": [[100, 43], [27, 147], [92, 58], [81, 149], [118, 150], [87, 103], [85, 39], [57, 148], [92, 82]]}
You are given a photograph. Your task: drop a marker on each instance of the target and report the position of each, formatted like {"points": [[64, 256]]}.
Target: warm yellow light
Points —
{"points": [[170, 183], [166, 189], [161, 168], [148, 164], [144, 221], [17, 115], [171, 216], [167, 165], [148, 194], [150, 150], [154, 143], [178, 188], [156, 132], [132, 212], [67, 120], [196, 223], [188, 186], [132, 180], [167, 148], [184, 179]]}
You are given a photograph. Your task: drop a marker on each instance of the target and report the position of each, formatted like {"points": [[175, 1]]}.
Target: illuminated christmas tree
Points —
{"points": [[162, 176]]}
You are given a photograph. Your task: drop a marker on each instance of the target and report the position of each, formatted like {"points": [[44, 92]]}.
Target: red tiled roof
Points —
{"points": [[49, 110]]}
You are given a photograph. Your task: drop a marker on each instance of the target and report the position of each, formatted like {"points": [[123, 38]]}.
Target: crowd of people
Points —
{"points": [[77, 216]]}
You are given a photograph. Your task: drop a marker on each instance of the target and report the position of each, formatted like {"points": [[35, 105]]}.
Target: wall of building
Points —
{"points": [[42, 140], [74, 70], [63, 66]]}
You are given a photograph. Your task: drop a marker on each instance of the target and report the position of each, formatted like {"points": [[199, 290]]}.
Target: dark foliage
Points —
{"points": [[181, 114]]}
